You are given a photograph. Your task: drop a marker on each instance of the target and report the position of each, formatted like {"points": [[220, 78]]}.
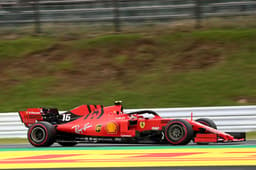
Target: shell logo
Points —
{"points": [[111, 127]]}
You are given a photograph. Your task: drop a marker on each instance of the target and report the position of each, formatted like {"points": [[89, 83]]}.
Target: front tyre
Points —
{"points": [[179, 132], [41, 134], [206, 122]]}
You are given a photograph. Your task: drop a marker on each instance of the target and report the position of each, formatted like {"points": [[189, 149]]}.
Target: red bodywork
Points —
{"points": [[99, 121]]}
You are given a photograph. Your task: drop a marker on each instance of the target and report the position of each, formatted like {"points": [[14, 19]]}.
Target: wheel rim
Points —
{"points": [[176, 132], [38, 134]]}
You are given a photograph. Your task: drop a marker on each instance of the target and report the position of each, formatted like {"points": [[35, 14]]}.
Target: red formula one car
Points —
{"points": [[95, 123]]}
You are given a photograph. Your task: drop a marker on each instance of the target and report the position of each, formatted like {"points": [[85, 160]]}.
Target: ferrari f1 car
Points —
{"points": [[96, 123]]}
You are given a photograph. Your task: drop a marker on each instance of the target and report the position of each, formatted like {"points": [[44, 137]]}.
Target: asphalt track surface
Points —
{"points": [[103, 145], [249, 142]]}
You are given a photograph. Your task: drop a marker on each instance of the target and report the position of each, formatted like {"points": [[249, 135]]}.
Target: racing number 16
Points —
{"points": [[66, 117]]}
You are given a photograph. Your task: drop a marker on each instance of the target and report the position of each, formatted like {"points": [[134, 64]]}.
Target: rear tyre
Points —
{"points": [[41, 134], [207, 122], [179, 132], [67, 143]]}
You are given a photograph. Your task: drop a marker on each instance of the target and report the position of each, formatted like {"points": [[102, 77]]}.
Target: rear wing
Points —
{"points": [[31, 116]]}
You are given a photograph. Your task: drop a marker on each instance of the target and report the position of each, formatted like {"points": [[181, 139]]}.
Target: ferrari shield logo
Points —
{"points": [[142, 125], [98, 128]]}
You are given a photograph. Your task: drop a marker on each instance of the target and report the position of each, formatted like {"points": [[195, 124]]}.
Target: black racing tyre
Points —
{"points": [[67, 143], [179, 132], [207, 122], [41, 134]]}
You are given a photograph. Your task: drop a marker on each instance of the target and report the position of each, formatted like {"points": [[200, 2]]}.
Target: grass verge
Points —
{"points": [[170, 68], [8, 141], [251, 135]]}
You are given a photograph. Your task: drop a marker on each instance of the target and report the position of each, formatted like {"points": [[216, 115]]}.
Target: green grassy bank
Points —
{"points": [[213, 67]]}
